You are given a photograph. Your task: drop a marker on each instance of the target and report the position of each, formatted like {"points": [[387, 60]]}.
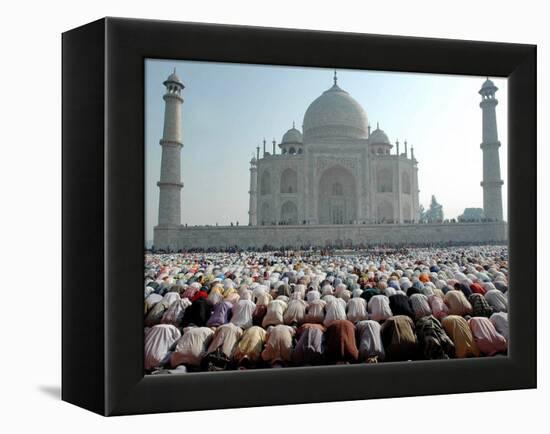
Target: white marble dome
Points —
{"points": [[335, 114], [292, 136], [173, 78], [488, 84], [378, 137]]}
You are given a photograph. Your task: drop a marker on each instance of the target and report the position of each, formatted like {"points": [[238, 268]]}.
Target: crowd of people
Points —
{"points": [[246, 310]]}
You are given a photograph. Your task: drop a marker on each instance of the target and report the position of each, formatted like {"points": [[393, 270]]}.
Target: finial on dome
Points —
{"points": [[335, 78], [293, 125], [174, 69], [377, 125]]}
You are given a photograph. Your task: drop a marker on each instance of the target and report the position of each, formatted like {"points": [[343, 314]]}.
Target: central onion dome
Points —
{"points": [[335, 114]]}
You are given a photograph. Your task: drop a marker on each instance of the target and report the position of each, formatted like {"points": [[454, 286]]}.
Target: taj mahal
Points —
{"points": [[337, 172], [335, 182]]}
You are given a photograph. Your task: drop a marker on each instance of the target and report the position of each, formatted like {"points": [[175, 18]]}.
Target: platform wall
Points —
{"points": [[326, 235]]}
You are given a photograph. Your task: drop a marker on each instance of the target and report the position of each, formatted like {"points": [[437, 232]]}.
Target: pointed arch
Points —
{"points": [[384, 180], [384, 212], [265, 183], [265, 214], [405, 182], [337, 203], [289, 213], [289, 181]]}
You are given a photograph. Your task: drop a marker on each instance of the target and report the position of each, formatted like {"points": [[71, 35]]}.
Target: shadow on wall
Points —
{"points": [[52, 391]]}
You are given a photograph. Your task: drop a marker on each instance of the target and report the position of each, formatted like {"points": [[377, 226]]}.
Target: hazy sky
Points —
{"points": [[229, 108]]}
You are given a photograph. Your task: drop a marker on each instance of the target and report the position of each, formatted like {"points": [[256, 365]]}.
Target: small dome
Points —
{"points": [[173, 78], [292, 136], [335, 114], [379, 137], [488, 88], [487, 83]]}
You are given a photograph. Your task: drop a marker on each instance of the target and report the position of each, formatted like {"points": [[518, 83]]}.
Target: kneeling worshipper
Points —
{"points": [[488, 340], [457, 303], [459, 331], [249, 348], [340, 345], [295, 312], [433, 341], [379, 308], [497, 300], [159, 340], [420, 305], [398, 337], [191, 347], [242, 313], [220, 315], [480, 306], [274, 314], [400, 304], [310, 346], [315, 312], [500, 321], [356, 310], [174, 314], [198, 313], [438, 306], [278, 346], [220, 351], [335, 310], [371, 348]]}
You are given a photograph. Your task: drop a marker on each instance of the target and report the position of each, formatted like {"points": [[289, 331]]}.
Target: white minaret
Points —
{"points": [[170, 184], [253, 204], [492, 184]]}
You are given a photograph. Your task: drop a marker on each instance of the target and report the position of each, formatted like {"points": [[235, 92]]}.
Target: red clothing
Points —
{"points": [[477, 288], [200, 294]]}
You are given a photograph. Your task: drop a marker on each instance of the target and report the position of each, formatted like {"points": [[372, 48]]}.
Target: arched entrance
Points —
{"points": [[337, 197], [265, 217], [289, 181], [289, 213], [384, 212]]}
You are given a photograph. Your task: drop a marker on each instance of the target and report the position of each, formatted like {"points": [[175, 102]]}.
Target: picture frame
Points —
{"points": [[103, 222]]}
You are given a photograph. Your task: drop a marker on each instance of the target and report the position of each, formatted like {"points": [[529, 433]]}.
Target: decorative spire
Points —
{"points": [[412, 153], [397, 147], [264, 146], [405, 148], [335, 78], [293, 125], [257, 152], [377, 125], [274, 143], [174, 69]]}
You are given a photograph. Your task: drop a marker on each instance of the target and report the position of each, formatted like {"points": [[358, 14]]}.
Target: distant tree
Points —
{"points": [[422, 214], [434, 213]]}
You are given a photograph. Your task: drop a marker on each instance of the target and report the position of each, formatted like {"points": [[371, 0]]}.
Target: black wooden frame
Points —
{"points": [[103, 203]]}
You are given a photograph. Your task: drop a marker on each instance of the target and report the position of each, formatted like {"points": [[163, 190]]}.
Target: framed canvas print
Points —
{"points": [[257, 216]]}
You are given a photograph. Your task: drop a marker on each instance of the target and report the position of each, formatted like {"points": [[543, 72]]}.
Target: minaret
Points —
{"points": [[253, 204], [492, 184], [170, 184]]}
